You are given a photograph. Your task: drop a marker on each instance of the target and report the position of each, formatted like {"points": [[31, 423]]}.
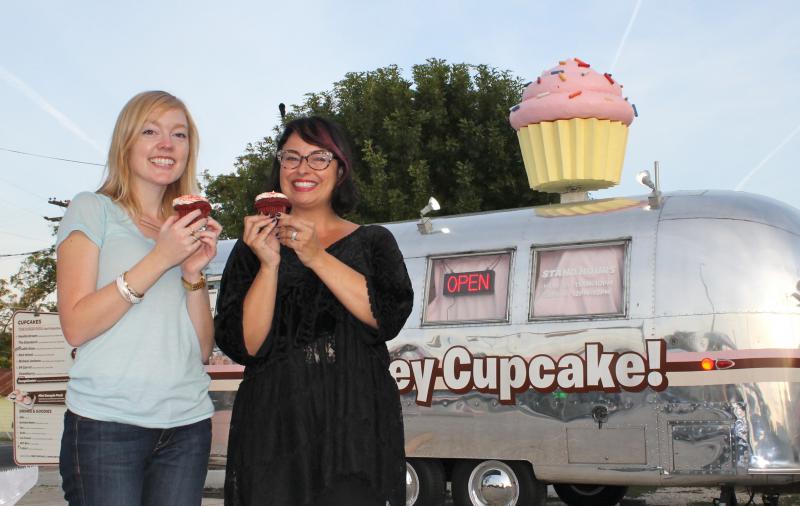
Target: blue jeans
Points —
{"points": [[114, 464]]}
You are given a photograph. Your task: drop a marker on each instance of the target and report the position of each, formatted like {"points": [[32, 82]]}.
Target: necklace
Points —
{"points": [[144, 222]]}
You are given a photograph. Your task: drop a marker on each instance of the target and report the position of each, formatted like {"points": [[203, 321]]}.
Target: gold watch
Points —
{"points": [[191, 287]]}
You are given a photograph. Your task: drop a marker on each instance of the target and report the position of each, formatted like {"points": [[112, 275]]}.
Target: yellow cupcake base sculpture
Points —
{"points": [[574, 154], [588, 207]]}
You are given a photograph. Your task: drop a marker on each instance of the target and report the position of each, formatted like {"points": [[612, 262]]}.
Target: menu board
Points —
{"points": [[42, 358]]}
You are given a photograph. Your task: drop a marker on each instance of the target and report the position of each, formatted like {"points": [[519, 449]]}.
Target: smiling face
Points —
{"points": [[304, 186], [160, 149]]}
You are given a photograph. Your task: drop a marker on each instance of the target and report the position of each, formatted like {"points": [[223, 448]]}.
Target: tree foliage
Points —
{"points": [[444, 133], [233, 194], [28, 289]]}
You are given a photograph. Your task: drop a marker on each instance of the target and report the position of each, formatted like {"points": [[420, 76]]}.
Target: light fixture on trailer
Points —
{"points": [[425, 226], [644, 178]]}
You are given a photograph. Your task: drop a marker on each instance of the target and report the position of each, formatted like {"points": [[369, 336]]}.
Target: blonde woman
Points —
{"points": [[132, 299]]}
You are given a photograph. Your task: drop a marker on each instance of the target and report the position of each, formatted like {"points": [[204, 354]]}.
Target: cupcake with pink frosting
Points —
{"points": [[272, 203], [185, 204], [572, 126]]}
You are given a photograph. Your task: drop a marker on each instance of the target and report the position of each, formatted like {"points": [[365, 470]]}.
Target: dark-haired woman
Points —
{"points": [[307, 302]]}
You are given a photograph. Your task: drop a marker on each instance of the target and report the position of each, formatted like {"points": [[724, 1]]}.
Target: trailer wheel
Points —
{"points": [[496, 483], [589, 495], [425, 482]]}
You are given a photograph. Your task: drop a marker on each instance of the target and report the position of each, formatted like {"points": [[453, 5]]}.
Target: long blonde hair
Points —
{"points": [[129, 124]]}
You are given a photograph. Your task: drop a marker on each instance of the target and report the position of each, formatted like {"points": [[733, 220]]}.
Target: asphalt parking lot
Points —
{"points": [[48, 491]]}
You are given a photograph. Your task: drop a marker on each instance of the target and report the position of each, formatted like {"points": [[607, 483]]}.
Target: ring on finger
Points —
{"points": [[294, 235], [193, 233]]}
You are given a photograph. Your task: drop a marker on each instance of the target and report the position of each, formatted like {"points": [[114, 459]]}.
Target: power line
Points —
{"points": [[18, 208], [50, 157], [5, 232], [22, 189], [6, 255]]}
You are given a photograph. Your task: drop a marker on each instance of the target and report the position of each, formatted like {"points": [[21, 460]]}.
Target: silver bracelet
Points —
{"points": [[126, 292]]}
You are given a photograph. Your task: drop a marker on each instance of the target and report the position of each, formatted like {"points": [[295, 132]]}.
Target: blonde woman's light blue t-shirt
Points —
{"points": [[146, 370]]}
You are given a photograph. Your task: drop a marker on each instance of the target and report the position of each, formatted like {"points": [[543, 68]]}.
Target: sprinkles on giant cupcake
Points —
{"points": [[572, 126]]}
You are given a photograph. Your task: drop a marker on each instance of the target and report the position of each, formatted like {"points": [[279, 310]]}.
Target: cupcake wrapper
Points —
{"points": [[271, 210], [573, 155], [183, 210]]}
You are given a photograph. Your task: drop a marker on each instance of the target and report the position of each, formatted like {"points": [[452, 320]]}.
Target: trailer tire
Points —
{"points": [[496, 482], [425, 482], [589, 495]]}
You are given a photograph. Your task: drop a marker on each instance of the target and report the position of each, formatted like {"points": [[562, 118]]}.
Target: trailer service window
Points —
{"points": [[578, 281], [470, 288]]}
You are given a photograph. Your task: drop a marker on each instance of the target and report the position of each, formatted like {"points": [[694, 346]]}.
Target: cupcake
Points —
{"points": [[185, 204], [572, 126], [271, 203]]}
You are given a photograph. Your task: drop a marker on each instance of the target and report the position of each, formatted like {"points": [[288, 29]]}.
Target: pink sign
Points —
{"points": [[483, 277], [579, 281]]}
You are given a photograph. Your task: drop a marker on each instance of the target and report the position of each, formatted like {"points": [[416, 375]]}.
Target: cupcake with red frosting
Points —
{"points": [[272, 203], [185, 204], [572, 126]]}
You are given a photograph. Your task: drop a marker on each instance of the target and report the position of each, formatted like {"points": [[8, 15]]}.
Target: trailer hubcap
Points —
{"points": [[493, 483], [412, 485]]}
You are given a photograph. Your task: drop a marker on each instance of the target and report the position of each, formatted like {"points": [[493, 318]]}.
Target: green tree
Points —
{"points": [[6, 310], [29, 289], [233, 194], [444, 132]]}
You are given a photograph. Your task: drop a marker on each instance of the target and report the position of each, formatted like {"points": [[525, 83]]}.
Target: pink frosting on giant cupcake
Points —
{"points": [[593, 95]]}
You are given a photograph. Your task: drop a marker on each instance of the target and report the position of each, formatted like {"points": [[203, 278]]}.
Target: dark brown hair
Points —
{"points": [[328, 135]]}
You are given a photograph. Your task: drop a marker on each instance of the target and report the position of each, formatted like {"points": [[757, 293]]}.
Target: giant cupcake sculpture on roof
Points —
{"points": [[572, 126]]}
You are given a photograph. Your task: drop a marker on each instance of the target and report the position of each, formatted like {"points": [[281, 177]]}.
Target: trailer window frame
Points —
{"points": [[625, 242], [506, 319]]}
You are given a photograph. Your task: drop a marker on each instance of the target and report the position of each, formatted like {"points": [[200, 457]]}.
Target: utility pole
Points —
{"points": [[59, 203]]}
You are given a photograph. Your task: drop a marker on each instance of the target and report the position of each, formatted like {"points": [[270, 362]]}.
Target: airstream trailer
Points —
{"points": [[595, 345]]}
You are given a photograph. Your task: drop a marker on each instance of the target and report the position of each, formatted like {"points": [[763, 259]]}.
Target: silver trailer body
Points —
{"points": [[713, 274]]}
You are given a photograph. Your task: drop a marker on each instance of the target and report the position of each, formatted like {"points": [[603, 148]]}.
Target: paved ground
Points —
{"points": [[48, 491], [6, 454]]}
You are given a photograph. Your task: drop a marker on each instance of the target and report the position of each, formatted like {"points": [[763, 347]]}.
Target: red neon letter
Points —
{"points": [[463, 279], [451, 287], [474, 282], [484, 282]]}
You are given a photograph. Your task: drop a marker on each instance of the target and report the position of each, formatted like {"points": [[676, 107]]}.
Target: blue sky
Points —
{"points": [[715, 82]]}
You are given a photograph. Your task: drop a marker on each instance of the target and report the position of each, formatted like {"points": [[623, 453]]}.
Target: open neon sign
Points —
{"points": [[468, 283]]}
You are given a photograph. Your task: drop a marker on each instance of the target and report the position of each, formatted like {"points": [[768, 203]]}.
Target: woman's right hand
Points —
{"points": [[177, 239], [259, 235]]}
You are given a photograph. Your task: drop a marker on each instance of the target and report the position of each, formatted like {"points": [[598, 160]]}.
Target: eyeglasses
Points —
{"points": [[317, 160]]}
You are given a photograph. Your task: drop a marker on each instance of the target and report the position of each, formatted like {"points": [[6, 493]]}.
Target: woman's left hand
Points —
{"points": [[208, 250], [301, 236]]}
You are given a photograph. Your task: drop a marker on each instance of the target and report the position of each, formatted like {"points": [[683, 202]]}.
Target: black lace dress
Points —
{"points": [[317, 404]]}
